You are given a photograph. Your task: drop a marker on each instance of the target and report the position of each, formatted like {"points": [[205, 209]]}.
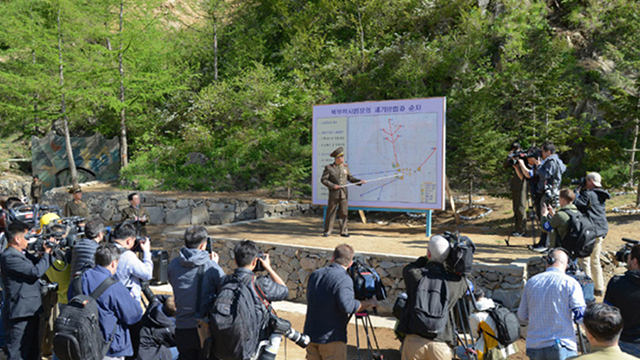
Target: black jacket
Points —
{"points": [[157, 334], [623, 292], [592, 203], [20, 274], [456, 286]]}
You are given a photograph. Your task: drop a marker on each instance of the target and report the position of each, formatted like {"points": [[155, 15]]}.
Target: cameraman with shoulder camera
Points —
{"points": [[422, 340], [623, 292], [195, 266], [330, 301], [518, 188], [591, 200], [131, 270], [21, 272]]}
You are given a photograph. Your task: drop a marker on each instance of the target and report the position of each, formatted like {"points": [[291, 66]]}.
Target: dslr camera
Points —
{"points": [[581, 182], [259, 266], [278, 328], [623, 253]]}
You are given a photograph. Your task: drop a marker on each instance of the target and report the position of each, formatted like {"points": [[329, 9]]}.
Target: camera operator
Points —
{"points": [[248, 258], [194, 262], [330, 300], [623, 292], [83, 254], [518, 188], [131, 270], [550, 302], [430, 268], [21, 272], [137, 214], [591, 200], [550, 170]]}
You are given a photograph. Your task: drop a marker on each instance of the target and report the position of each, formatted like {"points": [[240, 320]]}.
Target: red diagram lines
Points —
{"points": [[392, 137], [428, 157]]}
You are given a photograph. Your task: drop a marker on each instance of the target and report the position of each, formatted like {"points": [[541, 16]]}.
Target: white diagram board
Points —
{"points": [[398, 146]]}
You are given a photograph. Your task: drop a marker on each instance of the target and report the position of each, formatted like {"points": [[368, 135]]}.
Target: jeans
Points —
{"points": [[630, 348], [555, 352]]}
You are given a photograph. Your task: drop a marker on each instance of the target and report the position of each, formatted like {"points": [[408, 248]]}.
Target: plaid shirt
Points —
{"points": [[547, 303]]}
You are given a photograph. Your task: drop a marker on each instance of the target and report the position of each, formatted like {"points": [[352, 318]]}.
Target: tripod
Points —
{"points": [[365, 319], [535, 223]]}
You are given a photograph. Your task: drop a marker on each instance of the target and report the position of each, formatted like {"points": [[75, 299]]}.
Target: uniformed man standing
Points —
{"points": [[334, 177], [136, 213], [76, 207], [36, 190]]}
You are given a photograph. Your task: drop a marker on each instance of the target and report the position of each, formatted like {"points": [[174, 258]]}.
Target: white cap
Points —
{"points": [[596, 178]]}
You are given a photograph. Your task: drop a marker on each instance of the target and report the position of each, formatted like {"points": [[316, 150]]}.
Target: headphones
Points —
{"points": [[551, 260]]}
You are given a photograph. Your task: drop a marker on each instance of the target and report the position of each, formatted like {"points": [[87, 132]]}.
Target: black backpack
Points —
{"points": [[581, 235], [507, 325], [366, 282], [429, 314], [233, 320], [77, 334]]}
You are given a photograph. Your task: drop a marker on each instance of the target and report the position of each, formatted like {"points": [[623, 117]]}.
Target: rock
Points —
{"points": [[178, 217], [183, 203], [199, 215], [509, 298], [156, 215], [308, 264], [387, 264]]}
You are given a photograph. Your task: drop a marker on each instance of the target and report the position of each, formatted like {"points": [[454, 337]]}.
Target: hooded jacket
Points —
{"points": [[623, 292], [592, 203], [183, 272], [551, 171]]}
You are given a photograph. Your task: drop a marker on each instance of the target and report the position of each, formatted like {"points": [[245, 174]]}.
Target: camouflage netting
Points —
{"points": [[96, 158]]}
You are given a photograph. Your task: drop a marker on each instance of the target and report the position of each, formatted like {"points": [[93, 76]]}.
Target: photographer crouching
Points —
{"points": [[330, 300], [21, 272], [430, 337]]}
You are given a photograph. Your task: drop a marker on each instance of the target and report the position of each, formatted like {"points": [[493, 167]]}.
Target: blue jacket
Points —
{"points": [[182, 273], [116, 308], [330, 300]]}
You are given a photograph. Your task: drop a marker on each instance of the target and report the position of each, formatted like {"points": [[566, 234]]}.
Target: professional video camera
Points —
{"points": [[623, 253], [281, 327], [581, 182], [513, 157], [366, 282], [460, 259]]}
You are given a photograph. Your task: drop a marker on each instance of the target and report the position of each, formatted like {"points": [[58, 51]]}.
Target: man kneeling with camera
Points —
{"points": [[430, 337]]}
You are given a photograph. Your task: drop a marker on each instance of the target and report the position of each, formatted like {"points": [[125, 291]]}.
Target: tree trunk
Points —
{"points": [[215, 48], [63, 110], [633, 154], [361, 31], [123, 127], [470, 193]]}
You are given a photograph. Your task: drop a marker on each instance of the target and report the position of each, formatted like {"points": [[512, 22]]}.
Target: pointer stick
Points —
{"points": [[372, 180]]}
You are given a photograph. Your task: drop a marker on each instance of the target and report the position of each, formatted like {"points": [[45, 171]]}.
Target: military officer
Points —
{"points": [[36, 190], [334, 177], [76, 207], [136, 213]]}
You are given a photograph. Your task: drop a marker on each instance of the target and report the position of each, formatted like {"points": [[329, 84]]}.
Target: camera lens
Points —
{"points": [[300, 339]]}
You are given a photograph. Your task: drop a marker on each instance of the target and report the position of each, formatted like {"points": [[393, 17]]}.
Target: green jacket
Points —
{"points": [[557, 225]]}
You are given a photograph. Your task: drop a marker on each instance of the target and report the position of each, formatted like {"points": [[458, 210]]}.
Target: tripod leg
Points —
{"points": [[375, 339], [357, 339]]}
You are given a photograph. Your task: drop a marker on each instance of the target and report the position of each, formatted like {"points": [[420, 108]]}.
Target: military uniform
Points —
{"points": [[76, 208], [332, 175], [36, 192], [130, 213]]}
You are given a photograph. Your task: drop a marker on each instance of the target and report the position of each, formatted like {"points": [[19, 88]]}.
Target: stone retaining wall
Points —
{"points": [[295, 263], [108, 205]]}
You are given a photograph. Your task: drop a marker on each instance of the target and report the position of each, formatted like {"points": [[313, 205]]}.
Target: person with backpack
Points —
{"points": [[427, 321], [591, 201], [21, 272], [116, 308], [556, 223], [195, 277], [241, 312], [330, 303], [551, 302], [485, 325]]}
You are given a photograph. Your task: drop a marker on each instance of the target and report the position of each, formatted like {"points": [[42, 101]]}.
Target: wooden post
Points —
{"points": [[453, 204], [362, 217]]}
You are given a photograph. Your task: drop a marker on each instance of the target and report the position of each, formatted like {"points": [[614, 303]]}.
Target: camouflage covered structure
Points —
{"points": [[96, 158]]}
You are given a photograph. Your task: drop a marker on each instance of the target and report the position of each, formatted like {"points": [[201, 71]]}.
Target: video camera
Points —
{"points": [[513, 157], [460, 259], [66, 231], [581, 182], [281, 327], [366, 282], [623, 253]]}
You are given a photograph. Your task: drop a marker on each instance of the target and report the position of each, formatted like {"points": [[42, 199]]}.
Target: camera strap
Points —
{"points": [[198, 291], [262, 296]]}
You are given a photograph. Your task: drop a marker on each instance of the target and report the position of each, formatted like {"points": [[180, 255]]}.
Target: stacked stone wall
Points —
{"points": [[295, 263], [168, 210]]}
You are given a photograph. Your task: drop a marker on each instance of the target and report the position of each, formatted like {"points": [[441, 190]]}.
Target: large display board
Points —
{"points": [[397, 146]]}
